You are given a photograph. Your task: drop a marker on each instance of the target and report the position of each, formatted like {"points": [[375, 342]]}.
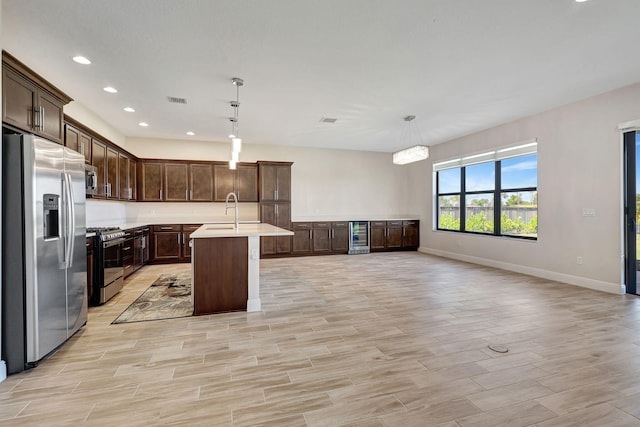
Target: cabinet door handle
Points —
{"points": [[191, 195], [160, 194], [42, 118], [178, 238], [82, 148], [275, 195]]}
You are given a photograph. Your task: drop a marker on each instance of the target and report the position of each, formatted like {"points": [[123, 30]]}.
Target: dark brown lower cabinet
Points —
{"points": [[167, 243], [127, 252], [171, 242], [319, 238], [278, 214], [410, 234], [90, 268], [220, 276], [394, 235], [302, 232], [340, 237], [186, 241]]}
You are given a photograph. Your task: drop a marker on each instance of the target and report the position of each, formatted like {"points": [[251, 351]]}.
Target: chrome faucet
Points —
{"points": [[235, 204]]}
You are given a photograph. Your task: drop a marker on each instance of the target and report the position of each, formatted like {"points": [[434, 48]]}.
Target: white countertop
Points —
{"points": [[208, 231], [356, 218]]}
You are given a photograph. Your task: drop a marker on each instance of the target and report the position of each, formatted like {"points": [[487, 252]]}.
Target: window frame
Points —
{"points": [[496, 158]]}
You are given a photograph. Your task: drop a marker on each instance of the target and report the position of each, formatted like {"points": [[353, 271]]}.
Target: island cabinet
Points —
{"points": [[319, 238], [31, 103], [171, 242], [243, 181], [274, 180], [220, 275]]}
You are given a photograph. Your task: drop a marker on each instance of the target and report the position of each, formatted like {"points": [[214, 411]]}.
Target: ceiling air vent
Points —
{"points": [[327, 120], [176, 100]]}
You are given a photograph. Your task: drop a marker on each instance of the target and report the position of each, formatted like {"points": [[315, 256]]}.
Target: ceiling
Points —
{"points": [[458, 66]]}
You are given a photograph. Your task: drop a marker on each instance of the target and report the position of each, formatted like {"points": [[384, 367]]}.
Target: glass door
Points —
{"points": [[631, 210]]}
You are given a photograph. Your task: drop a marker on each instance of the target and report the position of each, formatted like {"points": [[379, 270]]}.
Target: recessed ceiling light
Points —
{"points": [[580, 1], [190, 133], [129, 110], [81, 60], [143, 124], [110, 89]]}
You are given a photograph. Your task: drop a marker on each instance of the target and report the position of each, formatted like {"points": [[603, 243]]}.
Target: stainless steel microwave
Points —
{"points": [[91, 180]]}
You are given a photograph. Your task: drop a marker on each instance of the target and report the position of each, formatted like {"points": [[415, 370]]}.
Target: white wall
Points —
{"points": [[79, 112], [325, 183], [579, 166]]}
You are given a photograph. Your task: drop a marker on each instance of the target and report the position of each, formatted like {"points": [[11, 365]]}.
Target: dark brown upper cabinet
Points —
{"points": [[31, 103], [243, 181]]}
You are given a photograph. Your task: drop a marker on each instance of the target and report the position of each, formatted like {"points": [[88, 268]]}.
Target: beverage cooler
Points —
{"points": [[359, 237]]}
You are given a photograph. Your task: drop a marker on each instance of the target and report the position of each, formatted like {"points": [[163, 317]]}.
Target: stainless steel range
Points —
{"points": [[109, 268]]}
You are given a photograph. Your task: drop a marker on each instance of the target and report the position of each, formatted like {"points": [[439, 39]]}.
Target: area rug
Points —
{"points": [[168, 297]]}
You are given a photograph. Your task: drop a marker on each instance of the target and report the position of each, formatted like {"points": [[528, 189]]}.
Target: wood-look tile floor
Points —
{"points": [[393, 339]]}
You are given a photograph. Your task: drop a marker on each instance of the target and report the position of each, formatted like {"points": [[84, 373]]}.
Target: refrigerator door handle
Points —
{"points": [[72, 213], [68, 221]]}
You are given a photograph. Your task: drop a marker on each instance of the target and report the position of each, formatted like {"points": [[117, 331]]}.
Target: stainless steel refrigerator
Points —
{"points": [[44, 274]]}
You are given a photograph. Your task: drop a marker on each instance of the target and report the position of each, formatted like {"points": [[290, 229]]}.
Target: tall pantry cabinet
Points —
{"points": [[275, 205]]}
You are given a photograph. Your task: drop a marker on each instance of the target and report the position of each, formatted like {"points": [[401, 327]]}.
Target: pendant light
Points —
{"points": [[413, 153], [236, 141]]}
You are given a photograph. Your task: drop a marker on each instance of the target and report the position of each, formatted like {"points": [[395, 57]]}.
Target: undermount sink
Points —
{"points": [[220, 227]]}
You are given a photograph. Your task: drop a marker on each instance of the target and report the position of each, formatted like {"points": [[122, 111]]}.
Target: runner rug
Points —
{"points": [[168, 297]]}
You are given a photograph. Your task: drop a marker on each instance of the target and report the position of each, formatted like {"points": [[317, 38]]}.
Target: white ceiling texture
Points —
{"points": [[460, 66]]}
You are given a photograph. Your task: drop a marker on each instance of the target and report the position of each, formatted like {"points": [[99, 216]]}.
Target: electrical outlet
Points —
{"points": [[579, 260]]}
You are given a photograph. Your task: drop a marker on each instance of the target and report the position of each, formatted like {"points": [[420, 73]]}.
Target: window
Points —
{"points": [[493, 193]]}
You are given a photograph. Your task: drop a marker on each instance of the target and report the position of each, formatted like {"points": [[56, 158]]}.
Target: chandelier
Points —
{"points": [[413, 153]]}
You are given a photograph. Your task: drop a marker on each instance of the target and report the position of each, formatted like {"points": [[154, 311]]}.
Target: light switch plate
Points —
{"points": [[588, 212]]}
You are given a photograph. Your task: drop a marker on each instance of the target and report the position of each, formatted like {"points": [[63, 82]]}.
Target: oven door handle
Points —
{"points": [[113, 242]]}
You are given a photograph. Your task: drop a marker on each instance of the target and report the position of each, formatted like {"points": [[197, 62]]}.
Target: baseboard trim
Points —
{"points": [[597, 285], [253, 305]]}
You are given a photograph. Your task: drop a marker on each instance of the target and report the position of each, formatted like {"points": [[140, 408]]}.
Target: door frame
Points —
{"points": [[626, 130]]}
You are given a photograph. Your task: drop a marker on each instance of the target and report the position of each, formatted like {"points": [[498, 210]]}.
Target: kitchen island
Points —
{"points": [[225, 266]]}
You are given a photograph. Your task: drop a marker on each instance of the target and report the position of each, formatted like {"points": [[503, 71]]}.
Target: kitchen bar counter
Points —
{"points": [[245, 230], [225, 264]]}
